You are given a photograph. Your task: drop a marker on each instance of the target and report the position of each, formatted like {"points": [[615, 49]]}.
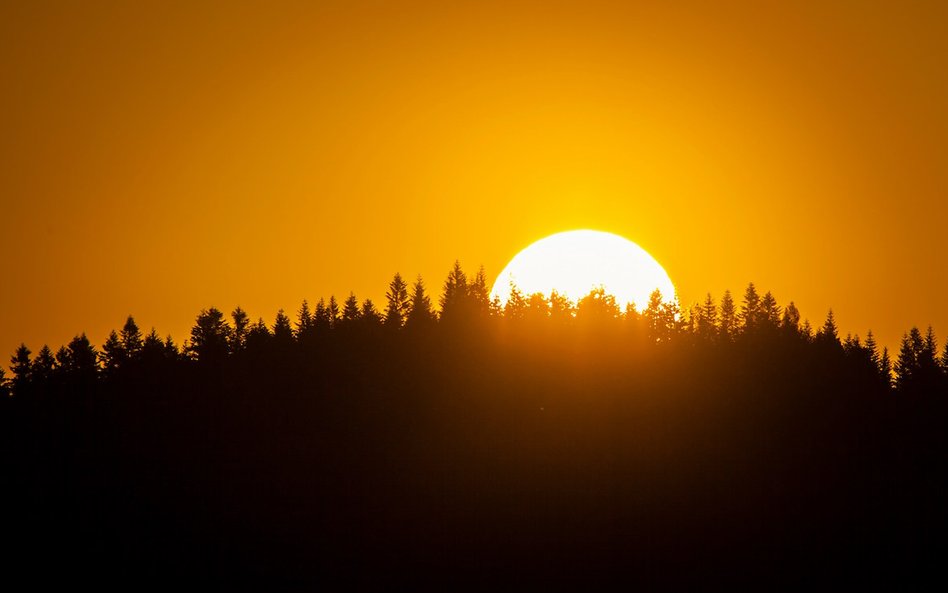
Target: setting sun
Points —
{"points": [[575, 262]]}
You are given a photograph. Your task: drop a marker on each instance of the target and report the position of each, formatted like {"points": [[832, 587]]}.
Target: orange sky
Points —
{"points": [[157, 158]]}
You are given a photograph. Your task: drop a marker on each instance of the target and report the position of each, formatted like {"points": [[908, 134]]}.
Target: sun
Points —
{"points": [[575, 262]]}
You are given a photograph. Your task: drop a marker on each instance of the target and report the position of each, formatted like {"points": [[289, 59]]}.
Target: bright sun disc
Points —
{"points": [[573, 263]]}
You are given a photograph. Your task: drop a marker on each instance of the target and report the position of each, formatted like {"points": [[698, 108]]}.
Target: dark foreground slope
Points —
{"points": [[451, 459]]}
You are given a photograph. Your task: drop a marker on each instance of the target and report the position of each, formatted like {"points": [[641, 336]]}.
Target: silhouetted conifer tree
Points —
{"points": [[872, 350], [171, 349], [790, 321], [332, 311], [654, 320], [479, 293], [4, 385], [728, 325], [769, 311], [239, 332], [455, 300], [80, 359], [44, 365], [153, 349], [321, 320], [282, 330], [750, 309], [21, 365], [113, 355], [420, 313], [398, 302], [62, 358], [806, 331], [829, 333], [350, 310], [929, 370], [210, 336], [851, 344], [928, 357], [258, 336], [131, 338], [671, 315], [369, 315], [885, 367], [708, 319], [691, 320], [516, 306], [304, 322], [661, 317], [907, 364]]}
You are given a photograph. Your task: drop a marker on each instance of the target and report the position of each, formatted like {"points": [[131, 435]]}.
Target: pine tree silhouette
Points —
{"points": [[282, 330], [728, 325], [131, 338], [21, 366], [420, 314], [210, 336], [455, 300], [398, 302], [708, 319], [350, 310], [114, 355], [750, 315], [239, 333]]}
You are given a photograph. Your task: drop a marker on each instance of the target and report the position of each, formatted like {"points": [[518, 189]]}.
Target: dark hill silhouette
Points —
{"points": [[534, 444]]}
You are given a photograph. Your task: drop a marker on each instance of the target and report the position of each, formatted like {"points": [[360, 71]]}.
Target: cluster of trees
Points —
{"points": [[454, 441], [465, 303]]}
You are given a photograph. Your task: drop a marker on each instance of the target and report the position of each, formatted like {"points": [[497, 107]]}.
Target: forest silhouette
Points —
{"points": [[539, 442]]}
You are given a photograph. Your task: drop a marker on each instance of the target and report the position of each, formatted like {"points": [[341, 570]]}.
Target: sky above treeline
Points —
{"points": [[161, 157]]}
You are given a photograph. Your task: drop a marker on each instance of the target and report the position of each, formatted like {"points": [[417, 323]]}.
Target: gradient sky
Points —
{"points": [[157, 158]]}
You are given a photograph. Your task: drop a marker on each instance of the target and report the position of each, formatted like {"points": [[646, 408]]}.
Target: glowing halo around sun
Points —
{"points": [[573, 263]]}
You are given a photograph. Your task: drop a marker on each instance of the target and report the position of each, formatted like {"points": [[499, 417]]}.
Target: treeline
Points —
{"points": [[446, 442], [465, 303]]}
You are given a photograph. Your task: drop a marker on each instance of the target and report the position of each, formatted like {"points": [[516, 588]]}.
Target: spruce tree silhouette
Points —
{"points": [[369, 315], [455, 298], [479, 294], [114, 355], [350, 310], [708, 319], [829, 333], [322, 321], [154, 351], [751, 313], [516, 307], [728, 324], [420, 314], [282, 331], [210, 337], [238, 335], [332, 312], [769, 312], [790, 322], [131, 338], [21, 366], [398, 302]]}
